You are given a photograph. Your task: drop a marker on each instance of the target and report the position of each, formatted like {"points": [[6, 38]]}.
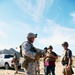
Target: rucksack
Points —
{"points": [[21, 50]]}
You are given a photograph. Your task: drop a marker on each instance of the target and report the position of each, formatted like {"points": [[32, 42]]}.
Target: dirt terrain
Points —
{"points": [[21, 72]]}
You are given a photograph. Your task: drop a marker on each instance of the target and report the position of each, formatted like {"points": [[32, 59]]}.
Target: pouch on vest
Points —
{"points": [[24, 63]]}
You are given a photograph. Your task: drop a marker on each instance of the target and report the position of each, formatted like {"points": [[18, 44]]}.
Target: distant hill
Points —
{"points": [[10, 51]]}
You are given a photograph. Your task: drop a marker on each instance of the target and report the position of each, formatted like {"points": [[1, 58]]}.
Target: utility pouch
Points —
{"points": [[24, 63]]}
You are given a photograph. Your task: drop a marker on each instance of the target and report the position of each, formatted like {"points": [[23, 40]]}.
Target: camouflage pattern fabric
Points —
{"points": [[30, 69], [29, 54]]}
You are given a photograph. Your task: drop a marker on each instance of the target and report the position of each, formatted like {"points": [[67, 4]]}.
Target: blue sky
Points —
{"points": [[52, 20]]}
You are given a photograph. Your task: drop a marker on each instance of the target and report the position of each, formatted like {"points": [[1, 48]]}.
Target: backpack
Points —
{"points": [[21, 50]]}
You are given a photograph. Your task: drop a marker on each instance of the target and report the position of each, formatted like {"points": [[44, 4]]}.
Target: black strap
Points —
{"points": [[32, 47], [66, 57]]}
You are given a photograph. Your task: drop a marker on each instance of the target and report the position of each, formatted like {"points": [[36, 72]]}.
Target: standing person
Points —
{"points": [[30, 54], [50, 60], [16, 61], [45, 50], [66, 59]]}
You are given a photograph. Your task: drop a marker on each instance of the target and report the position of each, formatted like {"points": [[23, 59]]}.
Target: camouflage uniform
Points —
{"points": [[26, 51], [16, 61], [37, 67]]}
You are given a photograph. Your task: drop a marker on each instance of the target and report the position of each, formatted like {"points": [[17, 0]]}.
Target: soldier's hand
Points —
{"points": [[37, 56]]}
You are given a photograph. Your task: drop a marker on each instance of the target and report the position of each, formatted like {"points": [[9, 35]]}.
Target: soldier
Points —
{"points": [[16, 61], [30, 54], [50, 59], [66, 59]]}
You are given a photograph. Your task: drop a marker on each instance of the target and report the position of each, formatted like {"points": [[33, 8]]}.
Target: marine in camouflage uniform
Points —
{"points": [[30, 54], [16, 61]]}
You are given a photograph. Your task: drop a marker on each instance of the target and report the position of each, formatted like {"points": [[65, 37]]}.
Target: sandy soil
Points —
{"points": [[58, 69], [21, 72]]}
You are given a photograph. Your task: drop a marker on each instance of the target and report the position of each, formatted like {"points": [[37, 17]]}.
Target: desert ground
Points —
{"points": [[21, 72]]}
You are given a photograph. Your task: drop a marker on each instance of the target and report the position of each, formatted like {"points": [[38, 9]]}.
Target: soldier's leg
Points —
{"points": [[16, 68], [30, 69]]}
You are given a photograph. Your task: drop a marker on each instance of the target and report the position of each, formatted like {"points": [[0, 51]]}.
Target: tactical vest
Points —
{"points": [[16, 60], [32, 49], [28, 59]]}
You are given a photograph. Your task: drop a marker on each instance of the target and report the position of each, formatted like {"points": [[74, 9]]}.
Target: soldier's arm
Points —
{"points": [[46, 57], [40, 51], [27, 52]]}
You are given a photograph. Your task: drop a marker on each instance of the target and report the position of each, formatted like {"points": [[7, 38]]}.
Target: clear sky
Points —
{"points": [[52, 20]]}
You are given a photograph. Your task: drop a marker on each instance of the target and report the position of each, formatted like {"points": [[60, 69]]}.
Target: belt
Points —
{"points": [[30, 60]]}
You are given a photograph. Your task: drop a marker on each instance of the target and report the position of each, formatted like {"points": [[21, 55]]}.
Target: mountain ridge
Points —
{"points": [[9, 51]]}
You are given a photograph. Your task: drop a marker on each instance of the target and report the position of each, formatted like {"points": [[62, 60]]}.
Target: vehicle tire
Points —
{"points": [[6, 66]]}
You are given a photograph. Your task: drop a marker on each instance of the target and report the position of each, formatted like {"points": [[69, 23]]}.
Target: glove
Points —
{"points": [[37, 56]]}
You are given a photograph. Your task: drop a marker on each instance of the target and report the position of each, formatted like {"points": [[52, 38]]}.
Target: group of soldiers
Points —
{"points": [[31, 55]]}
